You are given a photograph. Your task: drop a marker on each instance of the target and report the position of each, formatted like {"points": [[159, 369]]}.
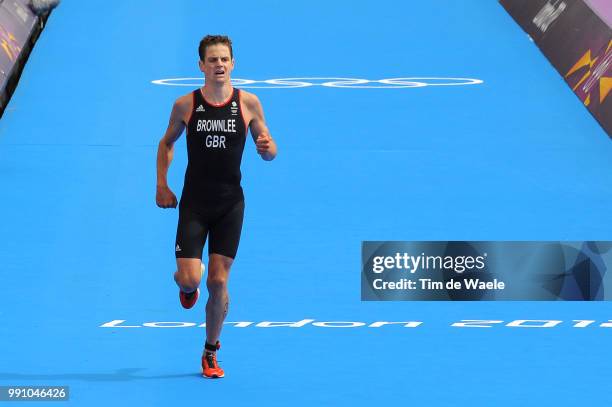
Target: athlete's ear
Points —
{"points": [[201, 65]]}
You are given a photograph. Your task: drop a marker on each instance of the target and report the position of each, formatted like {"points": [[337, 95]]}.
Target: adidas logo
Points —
{"points": [[200, 109], [178, 248]]}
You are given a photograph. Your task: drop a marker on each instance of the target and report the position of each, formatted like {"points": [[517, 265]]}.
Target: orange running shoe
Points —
{"points": [[188, 300], [210, 367]]}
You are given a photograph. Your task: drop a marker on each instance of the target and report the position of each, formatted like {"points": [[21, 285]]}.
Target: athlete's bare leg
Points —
{"points": [[218, 298], [188, 274]]}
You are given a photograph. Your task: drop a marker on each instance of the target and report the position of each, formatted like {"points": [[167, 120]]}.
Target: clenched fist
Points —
{"points": [[263, 143], [165, 198]]}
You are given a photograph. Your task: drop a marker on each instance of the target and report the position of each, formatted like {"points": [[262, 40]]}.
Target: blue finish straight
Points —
{"points": [[514, 158]]}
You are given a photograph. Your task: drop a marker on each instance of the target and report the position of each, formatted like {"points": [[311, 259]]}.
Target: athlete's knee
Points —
{"points": [[218, 273], [216, 282], [187, 280]]}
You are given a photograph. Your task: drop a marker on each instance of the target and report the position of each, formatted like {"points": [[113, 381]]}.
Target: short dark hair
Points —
{"points": [[213, 40]]}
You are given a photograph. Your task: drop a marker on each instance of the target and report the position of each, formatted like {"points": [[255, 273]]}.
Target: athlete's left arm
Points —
{"points": [[266, 146]]}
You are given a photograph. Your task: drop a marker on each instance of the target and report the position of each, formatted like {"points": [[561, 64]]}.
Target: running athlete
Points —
{"points": [[217, 118]]}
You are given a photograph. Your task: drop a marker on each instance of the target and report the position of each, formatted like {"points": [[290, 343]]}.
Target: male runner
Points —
{"points": [[217, 118]]}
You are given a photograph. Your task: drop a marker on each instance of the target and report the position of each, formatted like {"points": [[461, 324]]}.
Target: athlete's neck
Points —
{"points": [[217, 94]]}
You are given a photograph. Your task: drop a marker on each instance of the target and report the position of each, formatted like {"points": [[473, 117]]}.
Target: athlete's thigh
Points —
{"points": [[218, 268], [225, 231], [191, 234]]}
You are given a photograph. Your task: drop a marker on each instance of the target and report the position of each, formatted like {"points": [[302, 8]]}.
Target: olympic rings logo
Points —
{"points": [[347, 83]]}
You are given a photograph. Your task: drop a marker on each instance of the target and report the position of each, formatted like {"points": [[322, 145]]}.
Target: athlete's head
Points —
{"points": [[214, 40], [216, 58]]}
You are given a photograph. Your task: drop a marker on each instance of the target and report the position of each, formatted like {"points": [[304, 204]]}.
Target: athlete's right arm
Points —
{"points": [[164, 197]]}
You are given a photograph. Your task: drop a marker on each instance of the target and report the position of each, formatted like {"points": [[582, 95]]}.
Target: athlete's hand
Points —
{"points": [[165, 198], [263, 143]]}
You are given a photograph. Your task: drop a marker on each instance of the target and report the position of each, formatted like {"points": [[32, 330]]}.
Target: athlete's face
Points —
{"points": [[217, 64]]}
